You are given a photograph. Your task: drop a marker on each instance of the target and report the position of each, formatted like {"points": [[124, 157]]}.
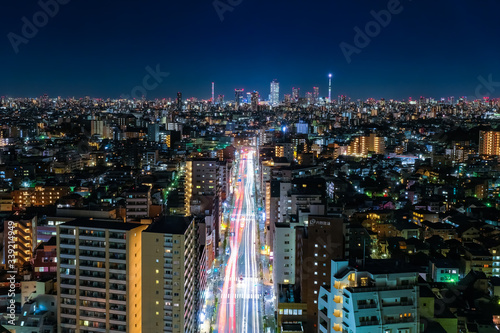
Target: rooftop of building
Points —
{"points": [[139, 189], [445, 263], [172, 224], [379, 266], [101, 224]]}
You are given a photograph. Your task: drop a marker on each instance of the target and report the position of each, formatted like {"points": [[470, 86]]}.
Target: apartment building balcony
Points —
{"points": [[369, 323], [399, 320], [377, 289]]}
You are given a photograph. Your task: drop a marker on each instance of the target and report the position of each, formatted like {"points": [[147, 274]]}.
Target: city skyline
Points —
{"points": [[82, 51]]}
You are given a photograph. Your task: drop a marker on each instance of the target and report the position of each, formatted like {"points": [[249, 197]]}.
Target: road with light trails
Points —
{"points": [[240, 299]]}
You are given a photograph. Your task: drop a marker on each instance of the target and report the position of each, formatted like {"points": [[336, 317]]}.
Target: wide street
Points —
{"points": [[241, 295]]}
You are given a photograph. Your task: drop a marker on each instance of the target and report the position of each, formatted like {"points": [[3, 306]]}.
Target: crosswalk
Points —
{"points": [[247, 279], [241, 296]]}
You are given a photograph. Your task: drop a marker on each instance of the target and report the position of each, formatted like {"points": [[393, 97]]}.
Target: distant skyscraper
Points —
{"points": [[179, 101], [255, 101], [295, 94], [275, 93], [238, 94], [221, 99], [309, 98], [316, 95]]}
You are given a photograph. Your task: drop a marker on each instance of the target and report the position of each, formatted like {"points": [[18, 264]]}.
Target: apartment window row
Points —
{"points": [[290, 312], [93, 314]]}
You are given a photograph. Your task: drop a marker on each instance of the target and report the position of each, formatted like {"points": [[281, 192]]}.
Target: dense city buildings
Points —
{"points": [[233, 166], [183, 215]]}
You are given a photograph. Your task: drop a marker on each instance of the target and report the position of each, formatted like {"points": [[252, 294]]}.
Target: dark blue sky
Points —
{"points": [[101, 48]]}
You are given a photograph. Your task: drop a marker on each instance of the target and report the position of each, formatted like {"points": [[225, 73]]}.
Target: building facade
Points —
{"points": [[379, 298], [169, 276], [99, 276]]}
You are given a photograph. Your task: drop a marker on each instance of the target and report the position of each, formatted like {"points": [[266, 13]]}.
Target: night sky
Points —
{"points": [[101, 48]]}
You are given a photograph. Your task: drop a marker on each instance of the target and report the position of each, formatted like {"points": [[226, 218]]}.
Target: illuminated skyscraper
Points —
{"points": [[238, 94], [295, 94], [316, 95], [255, 101], [221, 99], [275, 93], [179, 101], [309, 98]]}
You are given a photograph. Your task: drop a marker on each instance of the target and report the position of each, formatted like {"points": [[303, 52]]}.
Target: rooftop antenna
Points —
{"points": [[213, 93], [329, 88]]}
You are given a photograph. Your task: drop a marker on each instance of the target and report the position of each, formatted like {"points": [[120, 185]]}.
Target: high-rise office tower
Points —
{"points": [[255, 101], [316, 95], [275, 93], [249, 98], [179, 101], [309, 98], [99, 276], [238, 95], [489, 143], [221, 99], [295, 94], [170, 288]]}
